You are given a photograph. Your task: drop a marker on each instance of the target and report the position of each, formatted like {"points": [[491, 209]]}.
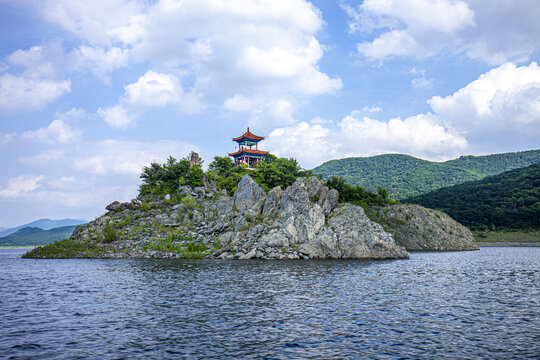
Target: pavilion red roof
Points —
{"points": [[249, 151], [248, 135]]}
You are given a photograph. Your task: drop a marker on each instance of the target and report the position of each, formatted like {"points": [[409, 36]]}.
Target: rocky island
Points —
{"points": [[303, 221]]}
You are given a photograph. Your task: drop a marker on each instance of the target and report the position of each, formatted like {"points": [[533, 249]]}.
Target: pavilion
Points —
{"points": [[246, 154]]}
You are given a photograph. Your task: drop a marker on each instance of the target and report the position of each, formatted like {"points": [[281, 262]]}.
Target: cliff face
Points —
{"points": [[303, 221], [421, 229]]}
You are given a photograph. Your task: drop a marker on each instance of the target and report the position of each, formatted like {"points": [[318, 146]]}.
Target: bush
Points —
{"points": [[144, 206], [189, 202], [109, 233], [357, 194]]}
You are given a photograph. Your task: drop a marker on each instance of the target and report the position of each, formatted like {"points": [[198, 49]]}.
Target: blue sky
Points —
{"points": [[90, 92]]}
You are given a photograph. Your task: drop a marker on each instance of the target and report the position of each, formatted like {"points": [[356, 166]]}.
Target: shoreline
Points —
{"points": [[509, 244]]}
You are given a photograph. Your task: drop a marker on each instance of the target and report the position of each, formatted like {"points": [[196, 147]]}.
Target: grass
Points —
{"points": [[508, 237], [182, 244], [64, 249]]}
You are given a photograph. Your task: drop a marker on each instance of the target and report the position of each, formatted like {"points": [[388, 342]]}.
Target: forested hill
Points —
{"points": [[32, 236], [406, 176], [510, 200]]}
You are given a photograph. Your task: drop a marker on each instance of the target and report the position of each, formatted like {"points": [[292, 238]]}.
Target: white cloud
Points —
{"points": [[264, 112], [306, 143], [100, 23], [372, 109], [313, 144], [99, 60], [237, 103], [20, 186], [57, 132], [265, 49], [421, 83], [477, 97], [501, 107], [116, 157], [117, 116], [418, 135], [46, 158], [154, 89], [493, 32], [21, 93], [6, 138], [499, 110]]}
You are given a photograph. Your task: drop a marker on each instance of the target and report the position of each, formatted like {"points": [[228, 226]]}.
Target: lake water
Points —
{"points": [[469, 305]]}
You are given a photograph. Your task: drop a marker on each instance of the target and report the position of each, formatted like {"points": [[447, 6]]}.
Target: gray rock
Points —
{"points": [[199, 191], [420, 229], [117, 205], [184, 190], [249, 197], [272, 201], [330, 201], [135, 203]]}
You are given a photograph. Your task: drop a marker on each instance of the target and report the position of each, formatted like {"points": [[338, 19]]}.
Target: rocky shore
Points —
{"points": [[304, 221]]}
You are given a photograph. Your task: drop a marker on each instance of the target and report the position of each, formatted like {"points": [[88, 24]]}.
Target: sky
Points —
{"points": [[92, 91]]}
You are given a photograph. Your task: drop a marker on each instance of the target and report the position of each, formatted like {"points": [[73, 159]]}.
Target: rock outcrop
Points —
{"points": [[303, 221], [421, 229]]}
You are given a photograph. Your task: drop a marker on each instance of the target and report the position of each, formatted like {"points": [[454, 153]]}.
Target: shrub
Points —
{"points": [[189, 202], [109, 233], [144, 206]]}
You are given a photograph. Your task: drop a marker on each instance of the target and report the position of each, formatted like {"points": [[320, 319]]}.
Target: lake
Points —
{"points": [[470, 305]]}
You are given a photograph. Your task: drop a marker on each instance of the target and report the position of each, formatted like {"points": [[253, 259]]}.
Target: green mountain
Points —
{"points": [[44, 224], [35, 236], [406, 176], [510, 200]]}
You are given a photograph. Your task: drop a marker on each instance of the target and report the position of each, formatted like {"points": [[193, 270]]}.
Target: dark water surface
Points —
{"points": [[468, 305]]}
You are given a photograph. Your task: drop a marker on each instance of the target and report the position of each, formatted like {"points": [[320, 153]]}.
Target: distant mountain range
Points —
{"points": [[28, 236], [510, 200], [43, 224], [405, 176]]}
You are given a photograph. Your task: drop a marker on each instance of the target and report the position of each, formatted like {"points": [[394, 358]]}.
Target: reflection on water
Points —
{"points": [[482, 304]]}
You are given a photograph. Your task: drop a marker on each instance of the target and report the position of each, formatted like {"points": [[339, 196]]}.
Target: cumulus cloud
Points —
{"points": [[237, 103], [499, 110], [501, 107], [6, 138], [117, 116], [23, 93], [372, 109], [100, 61], [46, 158], [58, 131], [308, 143], [480, 29], [154, 89], [116, 157], [355, 135], [418, 135], [20, 186], [240, 47], [98, 23]]}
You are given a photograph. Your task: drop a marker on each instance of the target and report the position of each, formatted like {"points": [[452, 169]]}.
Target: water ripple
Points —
{"points": [[474, 305]]}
